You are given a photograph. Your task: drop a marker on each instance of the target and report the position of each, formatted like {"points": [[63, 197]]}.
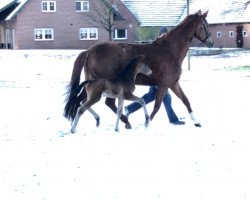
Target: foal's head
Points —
{"points": [[202, 31], [143, 67]]}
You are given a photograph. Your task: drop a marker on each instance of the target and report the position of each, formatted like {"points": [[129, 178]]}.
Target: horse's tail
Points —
{"points": [[73, 87]]}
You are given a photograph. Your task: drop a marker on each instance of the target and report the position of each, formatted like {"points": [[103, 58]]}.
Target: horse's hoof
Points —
{"points": [[128, 126], [116, 130], [197, 125], [72, 131]]}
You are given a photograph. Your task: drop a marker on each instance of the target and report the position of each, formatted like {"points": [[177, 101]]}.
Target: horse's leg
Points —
{"points": [[119, 113], [158, 100], [111, 104], [176, 88], [142, 102], [96, 116]]}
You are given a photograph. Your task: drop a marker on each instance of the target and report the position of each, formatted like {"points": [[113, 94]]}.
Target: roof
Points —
{"points": [[172, 12], [6, 7], [222, 11], [5, 4], [156, 12], [21, 3]]}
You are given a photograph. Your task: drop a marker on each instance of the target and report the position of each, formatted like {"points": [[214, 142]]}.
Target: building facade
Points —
{"points": [[225, 35], [61, 24]]}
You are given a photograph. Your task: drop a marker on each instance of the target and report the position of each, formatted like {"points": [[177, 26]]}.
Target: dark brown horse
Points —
{"points": [[121, 87], [164, 56]]}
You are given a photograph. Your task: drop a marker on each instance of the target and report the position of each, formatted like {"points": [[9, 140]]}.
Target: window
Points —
{"points": [[82, 6], [231, 34], [48, 6], [88, 34], [120, 34], [44, 34], [244, 33], [218, 34]]}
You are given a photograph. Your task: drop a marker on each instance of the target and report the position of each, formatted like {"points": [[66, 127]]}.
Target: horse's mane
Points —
{"points": [[186, 21]]}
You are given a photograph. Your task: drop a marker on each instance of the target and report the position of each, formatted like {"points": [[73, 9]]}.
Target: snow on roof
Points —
{"points": [[156, 12], [172, 12], [223, 11], [6, 3], [16, 10]]}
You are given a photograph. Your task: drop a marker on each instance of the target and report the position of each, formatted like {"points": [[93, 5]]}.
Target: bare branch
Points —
{"points": [[102, 15], [237, 6]]}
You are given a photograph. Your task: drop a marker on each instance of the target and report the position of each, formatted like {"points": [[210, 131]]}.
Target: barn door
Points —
{"points": [[239, 36]]}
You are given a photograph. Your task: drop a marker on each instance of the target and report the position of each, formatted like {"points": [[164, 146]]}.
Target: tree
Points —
{"points": [[104, 14], [238, 6]]}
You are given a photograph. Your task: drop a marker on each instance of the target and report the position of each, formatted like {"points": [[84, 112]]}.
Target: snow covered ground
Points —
{"points": [[40, 160]]}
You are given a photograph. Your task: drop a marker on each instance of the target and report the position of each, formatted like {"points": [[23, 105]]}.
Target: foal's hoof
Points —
{"points": [[147, 122], [128, 126], [197, 125], [97, 122]]}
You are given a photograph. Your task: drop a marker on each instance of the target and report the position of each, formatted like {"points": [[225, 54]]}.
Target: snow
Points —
{"points": [[41, 160]]}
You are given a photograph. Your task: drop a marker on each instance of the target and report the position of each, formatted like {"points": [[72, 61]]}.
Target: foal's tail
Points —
{"points": [[73, 101], [73, 88]]}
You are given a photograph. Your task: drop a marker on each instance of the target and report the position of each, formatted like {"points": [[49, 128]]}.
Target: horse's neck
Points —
{"points": [[181, 38]]}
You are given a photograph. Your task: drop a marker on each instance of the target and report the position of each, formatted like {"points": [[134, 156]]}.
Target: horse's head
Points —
{"points": [[143, 67], [202, 32]]}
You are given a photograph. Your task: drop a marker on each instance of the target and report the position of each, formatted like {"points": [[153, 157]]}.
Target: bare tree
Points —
{"points": [[104, 14], [238, 6]]}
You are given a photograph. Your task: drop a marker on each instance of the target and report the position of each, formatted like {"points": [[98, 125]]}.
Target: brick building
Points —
{"points": [[63, 24]]}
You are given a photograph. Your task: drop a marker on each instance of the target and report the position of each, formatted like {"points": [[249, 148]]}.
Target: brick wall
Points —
{"points": [[65, 22], [225, 41]]}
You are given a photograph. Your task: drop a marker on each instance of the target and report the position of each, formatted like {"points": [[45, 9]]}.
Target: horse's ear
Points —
{"points": [[205, 14], [199, 12]]}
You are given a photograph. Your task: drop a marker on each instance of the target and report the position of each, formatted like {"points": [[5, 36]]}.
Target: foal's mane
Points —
{"points": [[130, 64]]}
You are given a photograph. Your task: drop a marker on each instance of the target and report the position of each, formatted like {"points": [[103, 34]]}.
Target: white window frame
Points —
{"points": [[218, 34], [231, 33], [84, 6], [48, 6], [120, 38], [88, 32], [42, 32], [244, 33]]}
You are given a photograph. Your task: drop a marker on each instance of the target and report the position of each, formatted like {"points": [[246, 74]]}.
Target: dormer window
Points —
{"points": [[48, 6]]}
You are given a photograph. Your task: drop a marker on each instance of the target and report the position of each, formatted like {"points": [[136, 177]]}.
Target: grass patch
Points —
{"points": [[239, 68]]}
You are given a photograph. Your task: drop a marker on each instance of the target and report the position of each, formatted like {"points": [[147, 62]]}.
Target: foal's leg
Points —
{"points": [[119, 113], [96, 116], [79, 113], [85, 106], [176, 88], [110, 102], [142, 102]]}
